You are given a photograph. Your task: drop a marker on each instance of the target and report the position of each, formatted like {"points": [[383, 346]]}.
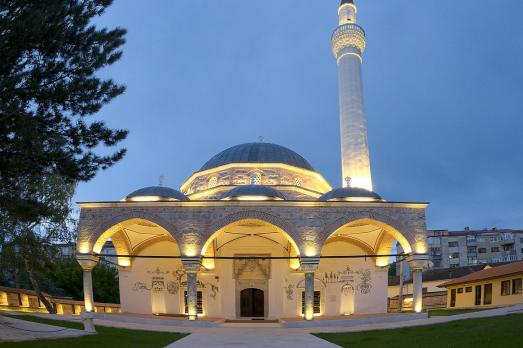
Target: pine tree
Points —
{"points": [[50, 54]]}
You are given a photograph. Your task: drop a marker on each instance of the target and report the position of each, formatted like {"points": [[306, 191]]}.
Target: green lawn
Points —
{"points": [[485, 332], [106, 337], [447, 312]]}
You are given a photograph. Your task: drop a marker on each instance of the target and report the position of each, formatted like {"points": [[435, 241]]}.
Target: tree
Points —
{"points": [[66, 280], [32, 245], [50, 58], [50, 54]]}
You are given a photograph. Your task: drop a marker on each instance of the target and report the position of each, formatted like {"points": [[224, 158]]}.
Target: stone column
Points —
{"points": [[417, 292], [309, 265], [416, 263], [88, 262], [192, 266]]}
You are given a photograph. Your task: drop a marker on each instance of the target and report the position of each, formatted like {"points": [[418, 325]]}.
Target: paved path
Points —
{"points": [[252, 338], [22, 330]]}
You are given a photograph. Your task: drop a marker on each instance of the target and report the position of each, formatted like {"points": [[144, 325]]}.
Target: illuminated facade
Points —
{"points": [[256, 232]]}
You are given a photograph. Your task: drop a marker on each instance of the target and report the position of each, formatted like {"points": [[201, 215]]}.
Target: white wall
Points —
{"points": [[369, 283], [284, 286], [136, 282]]}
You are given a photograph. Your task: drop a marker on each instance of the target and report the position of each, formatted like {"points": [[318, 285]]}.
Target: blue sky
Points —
{"points": [[443, 87]]}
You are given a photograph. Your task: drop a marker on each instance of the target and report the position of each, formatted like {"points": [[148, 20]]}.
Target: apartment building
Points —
{"points": [[449, 249]]}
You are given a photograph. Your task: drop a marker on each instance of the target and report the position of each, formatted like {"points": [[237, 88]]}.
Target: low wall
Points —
{"points": [[22, 300], [431, 300]]}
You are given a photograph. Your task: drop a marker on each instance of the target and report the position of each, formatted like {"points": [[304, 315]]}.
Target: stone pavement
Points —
{"points": [[22, 330], [252, 338]]}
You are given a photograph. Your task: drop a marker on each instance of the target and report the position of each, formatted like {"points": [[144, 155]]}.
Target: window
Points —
{"points": [[471, 238], [471, 249], [454, 256], [482, 250], [493, 238], [454, 265], [508, 247], [317, 302], [521, 240], [433, 240], [505, 288], [460, 290], [256, 179], [435, 251], [453, 244], [516, 286], [494, 250], [199, 302], [468, 289]]}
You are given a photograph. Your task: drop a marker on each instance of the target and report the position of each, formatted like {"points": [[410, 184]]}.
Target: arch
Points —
{"points": [[252, 216], [390, 232], [350, 240], [283, 226], [114, 229], [318, 281], [108, 225]]}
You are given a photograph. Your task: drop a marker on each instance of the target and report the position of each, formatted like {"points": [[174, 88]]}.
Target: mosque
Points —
{"points": [[258, 233]]}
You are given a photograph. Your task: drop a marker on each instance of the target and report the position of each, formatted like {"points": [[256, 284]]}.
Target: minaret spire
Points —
{"points": [[348, 44]]}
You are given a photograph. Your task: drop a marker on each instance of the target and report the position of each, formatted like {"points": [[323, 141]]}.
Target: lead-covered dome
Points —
{"points": [[156, 193], [257, 153], [351, 194], [253, 193]]}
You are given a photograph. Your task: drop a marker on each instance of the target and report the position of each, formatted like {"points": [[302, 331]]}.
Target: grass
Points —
{"points": [[447, 312], [106, 337], [504, 331]]}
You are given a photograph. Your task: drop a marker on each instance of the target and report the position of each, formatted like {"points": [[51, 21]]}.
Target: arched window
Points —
{"points": [[255, 179]]}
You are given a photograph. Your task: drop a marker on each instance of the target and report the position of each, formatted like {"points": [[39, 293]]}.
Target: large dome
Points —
{"points": [[257, 153]]}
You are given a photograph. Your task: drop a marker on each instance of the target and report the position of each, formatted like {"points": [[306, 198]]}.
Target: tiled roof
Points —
{"points": [[488, 273], [472, 232], [440, 274]]}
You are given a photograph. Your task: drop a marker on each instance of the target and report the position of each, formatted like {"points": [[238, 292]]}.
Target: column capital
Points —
{"points": [[417, 261], [87, 261], [191, 264], [309, 264]]}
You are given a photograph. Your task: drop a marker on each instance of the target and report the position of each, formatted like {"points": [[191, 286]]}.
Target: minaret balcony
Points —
{"points": [[348, 35]]}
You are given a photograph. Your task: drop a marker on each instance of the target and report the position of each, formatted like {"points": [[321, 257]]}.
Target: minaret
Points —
{"points": [[348, 44]]}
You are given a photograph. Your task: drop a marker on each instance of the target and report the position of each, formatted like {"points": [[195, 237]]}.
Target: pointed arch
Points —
{"points": [[384, 241], [281, 224]]}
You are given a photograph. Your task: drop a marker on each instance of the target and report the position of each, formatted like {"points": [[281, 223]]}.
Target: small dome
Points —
{"points": [[257, 153], [350, 194], [253, 193], [156, 193]]}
